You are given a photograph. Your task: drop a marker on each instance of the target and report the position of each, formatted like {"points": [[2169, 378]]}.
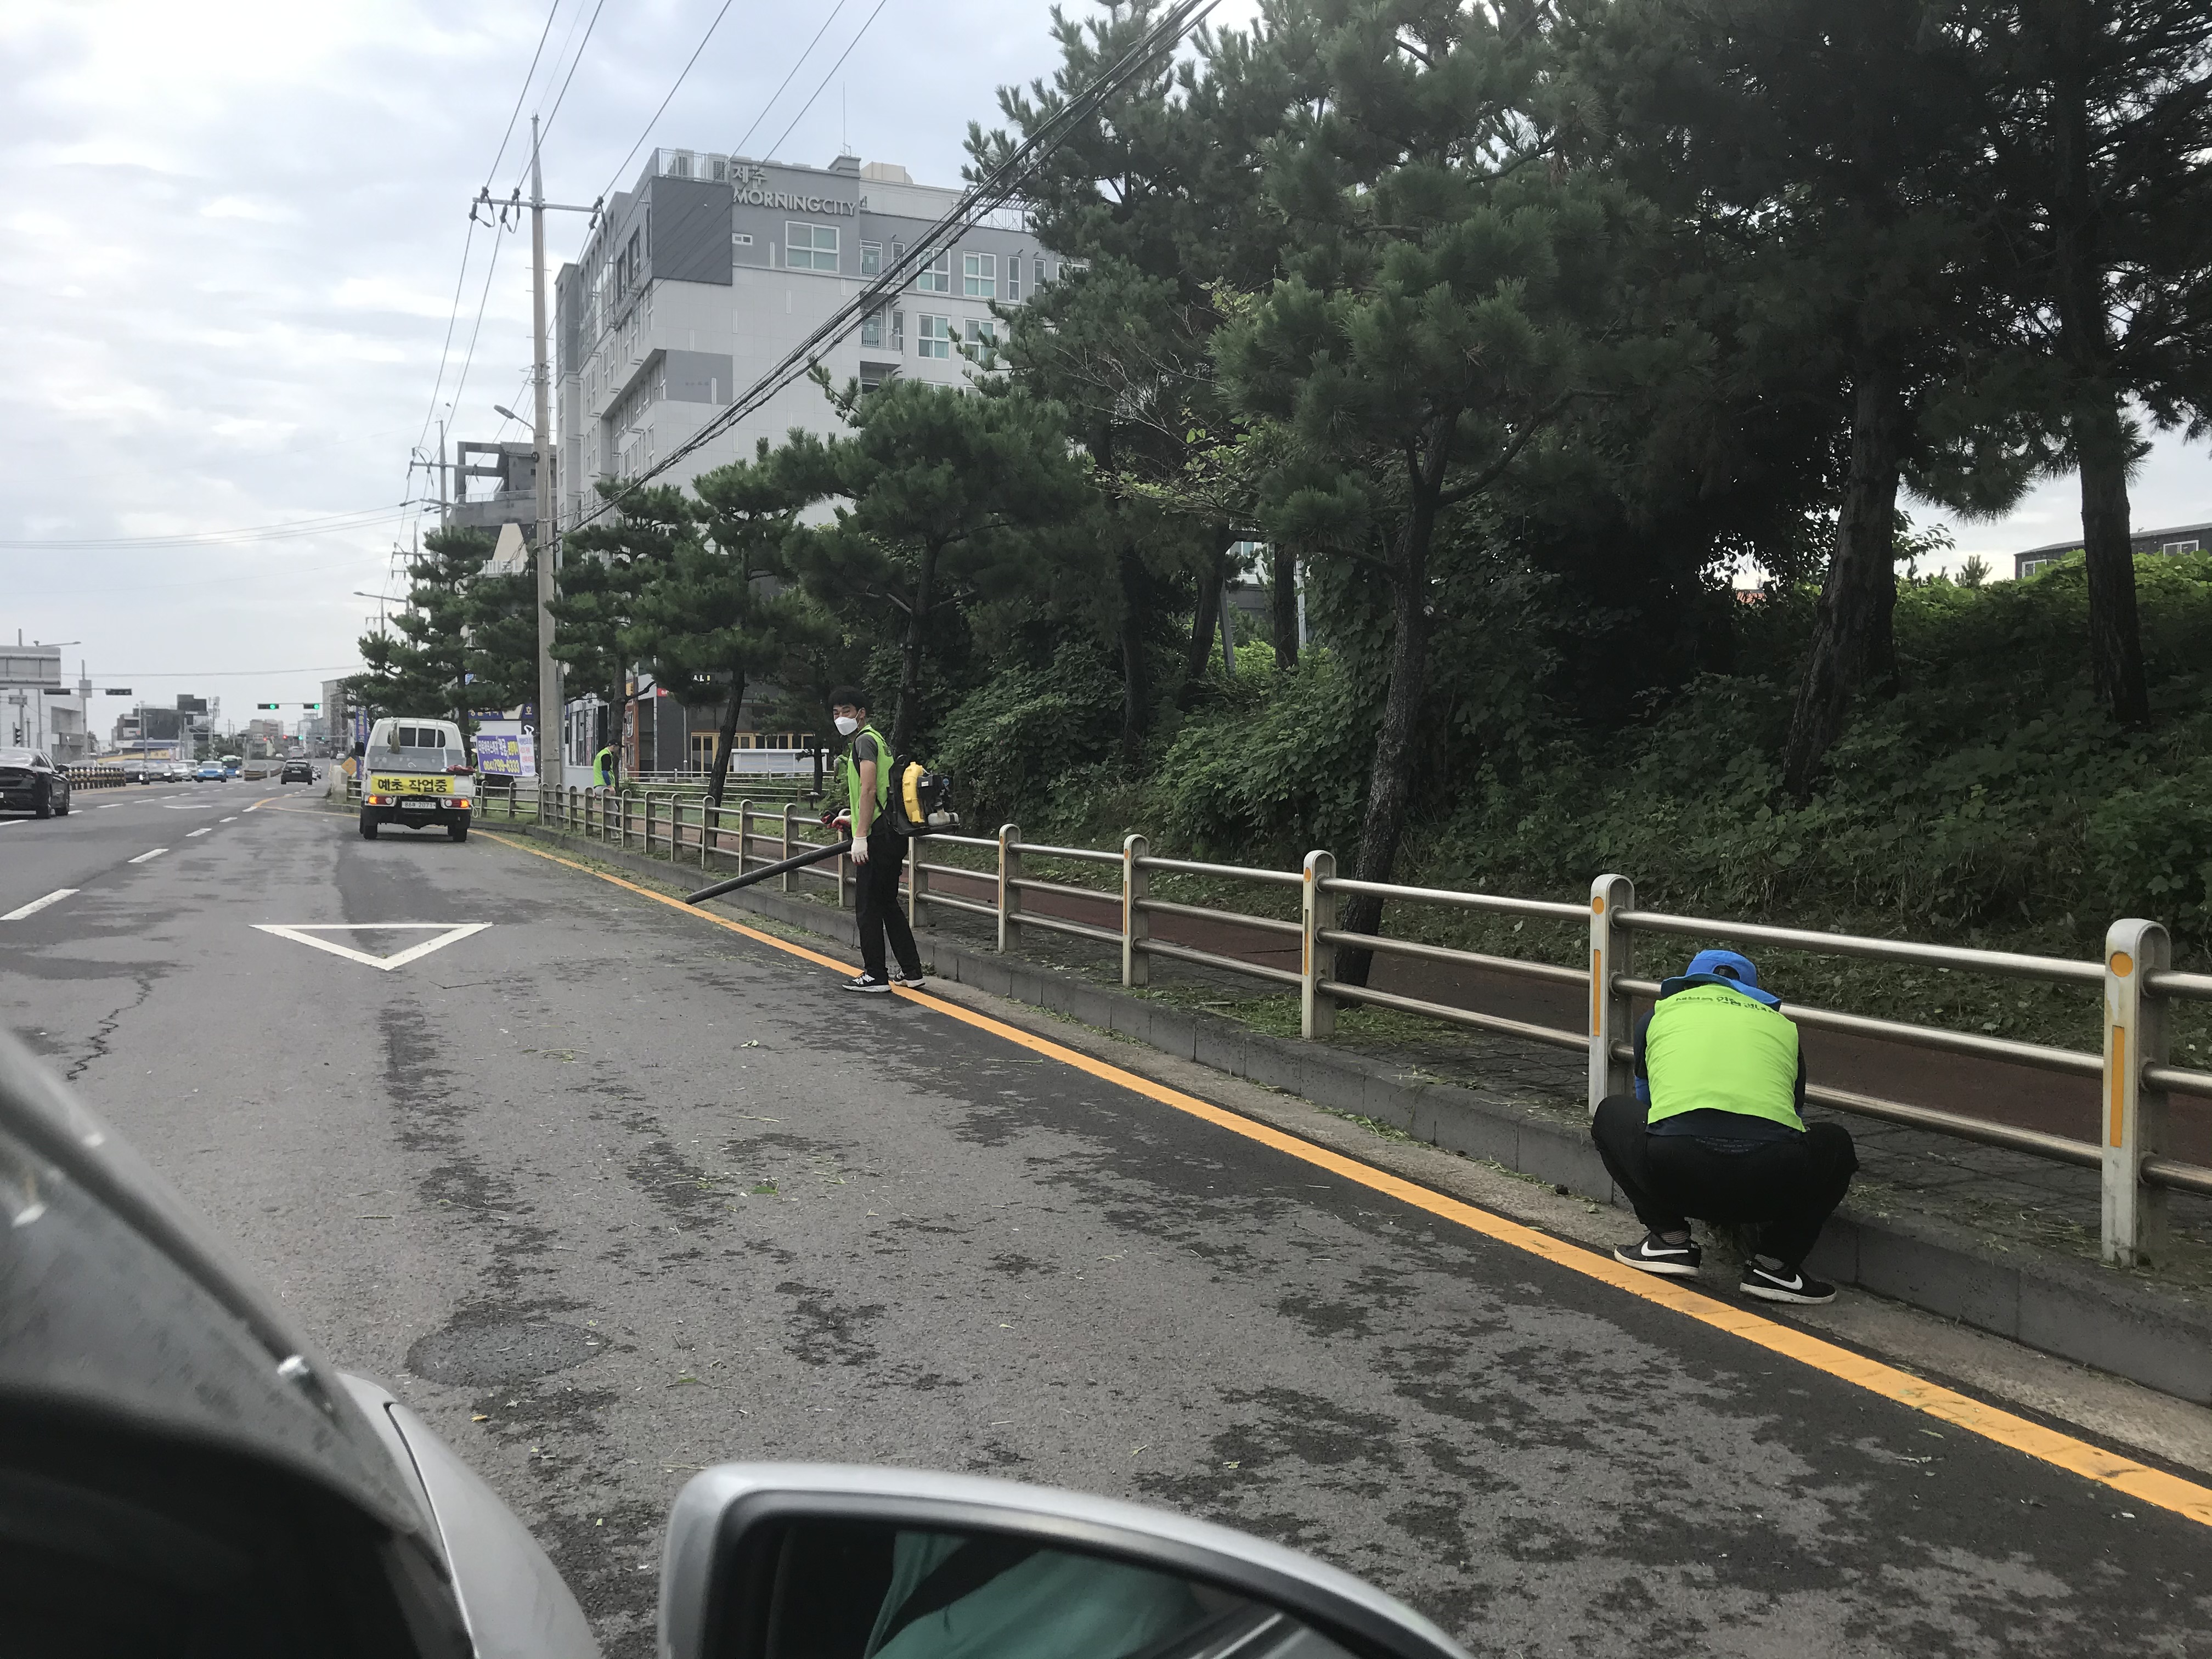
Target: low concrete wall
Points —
{"points": [[2153, 1335]]}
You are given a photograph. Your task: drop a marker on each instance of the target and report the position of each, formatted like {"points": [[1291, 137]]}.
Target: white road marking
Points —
{"points": [[233, 818], [37, 905], [305, 934], [112, 805], [142, 857], [204, 830]]}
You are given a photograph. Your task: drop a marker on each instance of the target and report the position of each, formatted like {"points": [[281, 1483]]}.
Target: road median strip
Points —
{"points": [[2137, 1480]]}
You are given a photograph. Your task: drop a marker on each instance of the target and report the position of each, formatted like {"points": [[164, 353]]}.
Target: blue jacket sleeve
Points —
{"points": [[1643, 1077]]}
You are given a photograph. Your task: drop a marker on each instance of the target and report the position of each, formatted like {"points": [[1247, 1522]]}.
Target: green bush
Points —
{"points": [[1010, 743]]}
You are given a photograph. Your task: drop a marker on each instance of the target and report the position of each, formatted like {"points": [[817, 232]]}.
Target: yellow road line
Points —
{"points": [[2047, 1445]]}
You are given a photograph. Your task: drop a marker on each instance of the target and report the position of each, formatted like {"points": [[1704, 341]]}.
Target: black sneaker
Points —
{"points": [[911, 981], [1780, 1283], [869, 984], [1656, 1255]]}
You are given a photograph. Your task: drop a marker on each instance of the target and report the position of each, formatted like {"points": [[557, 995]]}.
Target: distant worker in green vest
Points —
{"points": [[1715, 1131], [877, 849], [603, 767]]}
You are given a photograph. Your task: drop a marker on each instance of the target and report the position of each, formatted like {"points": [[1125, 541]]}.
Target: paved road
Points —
{"points": [[610, 1194]]}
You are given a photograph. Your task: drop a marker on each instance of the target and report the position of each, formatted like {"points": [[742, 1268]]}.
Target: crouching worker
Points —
{"points": [[1715, 1131]]}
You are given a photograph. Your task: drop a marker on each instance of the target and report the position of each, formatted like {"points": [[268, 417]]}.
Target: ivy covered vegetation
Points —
{"points": [[1512, 335]]}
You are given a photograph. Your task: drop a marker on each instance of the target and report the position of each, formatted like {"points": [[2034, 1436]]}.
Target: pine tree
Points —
{"points": [[717, 614], [943, 499], [1451, 298], [606, 565], [421, 664]]}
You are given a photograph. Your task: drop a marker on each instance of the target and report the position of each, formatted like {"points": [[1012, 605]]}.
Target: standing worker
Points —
{"points": [[602, 766], [1716, 1130], [877, 849]]}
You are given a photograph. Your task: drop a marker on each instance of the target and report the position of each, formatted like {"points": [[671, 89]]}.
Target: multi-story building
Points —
{"points": [[2175, 538], [705, 274]]}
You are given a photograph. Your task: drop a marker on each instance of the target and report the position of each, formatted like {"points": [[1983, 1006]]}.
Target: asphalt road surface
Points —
{"points": [[610, 1194]]}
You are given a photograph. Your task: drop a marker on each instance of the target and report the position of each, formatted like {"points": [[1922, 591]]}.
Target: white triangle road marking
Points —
{"points": [[306, 933]]}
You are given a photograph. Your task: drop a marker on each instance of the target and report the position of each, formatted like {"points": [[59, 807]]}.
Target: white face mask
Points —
{"points": [[847, 726]]}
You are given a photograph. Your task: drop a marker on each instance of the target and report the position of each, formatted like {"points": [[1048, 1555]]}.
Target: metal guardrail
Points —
{"points": [[2138, 984], [95, 777]]}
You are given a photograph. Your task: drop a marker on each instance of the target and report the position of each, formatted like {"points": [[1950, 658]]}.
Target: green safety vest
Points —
{"points": [[883, 775], [1708, 1049], [603, 767]]}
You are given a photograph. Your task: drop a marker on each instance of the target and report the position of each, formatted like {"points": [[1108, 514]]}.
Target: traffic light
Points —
{"points": [[268, 705], [311, 705]]}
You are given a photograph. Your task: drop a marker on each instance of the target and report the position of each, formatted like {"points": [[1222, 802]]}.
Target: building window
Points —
{"points": [[1013, 277], [740, 238], [872, 329], [936, 277], [979, 276], [871, 258], [2178, 547], [1040, 274], [899, 331], [932, 336], [982, 339], [810, 247]]}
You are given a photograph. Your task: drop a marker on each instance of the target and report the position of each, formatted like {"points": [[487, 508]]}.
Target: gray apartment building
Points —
{"points": [[707, 272], [2175, 538]]}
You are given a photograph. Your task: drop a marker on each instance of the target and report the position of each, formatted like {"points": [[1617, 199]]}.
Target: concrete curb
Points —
{"points": [[2112, 1322]]}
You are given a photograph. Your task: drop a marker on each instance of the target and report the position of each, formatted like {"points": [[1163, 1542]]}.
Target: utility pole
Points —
{"points": [[548, 670]]}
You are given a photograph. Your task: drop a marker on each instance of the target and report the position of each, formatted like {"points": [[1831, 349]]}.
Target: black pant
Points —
{"points": [[876, 883], [1788, 1187]]}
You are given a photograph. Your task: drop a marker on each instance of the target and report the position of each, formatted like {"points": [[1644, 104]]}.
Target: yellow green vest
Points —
{"points": [[882, 773], [1710, 1049]]}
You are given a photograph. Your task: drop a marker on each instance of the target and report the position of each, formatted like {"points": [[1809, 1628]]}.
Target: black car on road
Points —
{"points": [[297, 771], [29, 782]]}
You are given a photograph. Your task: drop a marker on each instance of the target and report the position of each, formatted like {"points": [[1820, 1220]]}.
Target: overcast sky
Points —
{"points": [[233, 232]]}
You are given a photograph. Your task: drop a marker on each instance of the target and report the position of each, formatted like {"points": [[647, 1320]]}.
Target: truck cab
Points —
{"points": [[416, 773]]}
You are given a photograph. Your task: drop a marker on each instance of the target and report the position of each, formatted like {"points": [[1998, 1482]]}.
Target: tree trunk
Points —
{"points": [[1202, 625], [2101, 446], [718, 781], [2101, 438], [1136, 675], [1390, 778], [1283, 578], [1851, 629], [917, 629]]}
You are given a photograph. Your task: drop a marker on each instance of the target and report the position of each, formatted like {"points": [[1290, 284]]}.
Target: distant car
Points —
{"points": [[210, 773], [176, 772], [29, 782], [297, 771]]}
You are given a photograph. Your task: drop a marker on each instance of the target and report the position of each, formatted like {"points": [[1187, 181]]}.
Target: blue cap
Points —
{"points": [[1729, 967]]}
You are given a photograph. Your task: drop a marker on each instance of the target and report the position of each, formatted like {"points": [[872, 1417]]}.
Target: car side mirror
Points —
{"points": [[359, 750], [780, 1560]]}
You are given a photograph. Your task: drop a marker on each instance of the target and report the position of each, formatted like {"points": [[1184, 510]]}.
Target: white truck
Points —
{"points": [[414, 773]]}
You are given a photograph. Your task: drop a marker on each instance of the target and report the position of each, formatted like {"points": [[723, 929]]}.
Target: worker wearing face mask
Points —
{"points": [[877, 850]]}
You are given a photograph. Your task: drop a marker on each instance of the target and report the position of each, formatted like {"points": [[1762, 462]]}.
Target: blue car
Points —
{"points": [[210, 774]]}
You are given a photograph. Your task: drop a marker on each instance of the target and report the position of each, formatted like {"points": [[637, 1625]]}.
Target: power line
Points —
{"points": [[573, 61], [739, 148], [834, 67], [523, 92], [990, 192], [491, 271], [665, 102], [328, 523], [452, 318]]}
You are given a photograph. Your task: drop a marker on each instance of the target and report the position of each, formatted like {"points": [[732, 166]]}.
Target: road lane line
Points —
{"points": [[233, 818], [2139, 1481], [142, 857], [111, 806], [37, 905], [204, 830]]}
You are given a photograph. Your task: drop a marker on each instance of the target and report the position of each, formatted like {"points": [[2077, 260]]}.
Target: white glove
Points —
{"points": [[859, 851]]}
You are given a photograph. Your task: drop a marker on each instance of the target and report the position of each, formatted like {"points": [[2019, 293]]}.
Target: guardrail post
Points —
{"points": [[1009, 897], [707, 812], [2135, 1214], [744, 834], [1316, 956], [649, 829], [1136, 922], [788, 881], [917, 885], [1610, 957]]}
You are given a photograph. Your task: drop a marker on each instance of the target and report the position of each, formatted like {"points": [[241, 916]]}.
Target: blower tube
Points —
{"points": [[799, 861]]}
